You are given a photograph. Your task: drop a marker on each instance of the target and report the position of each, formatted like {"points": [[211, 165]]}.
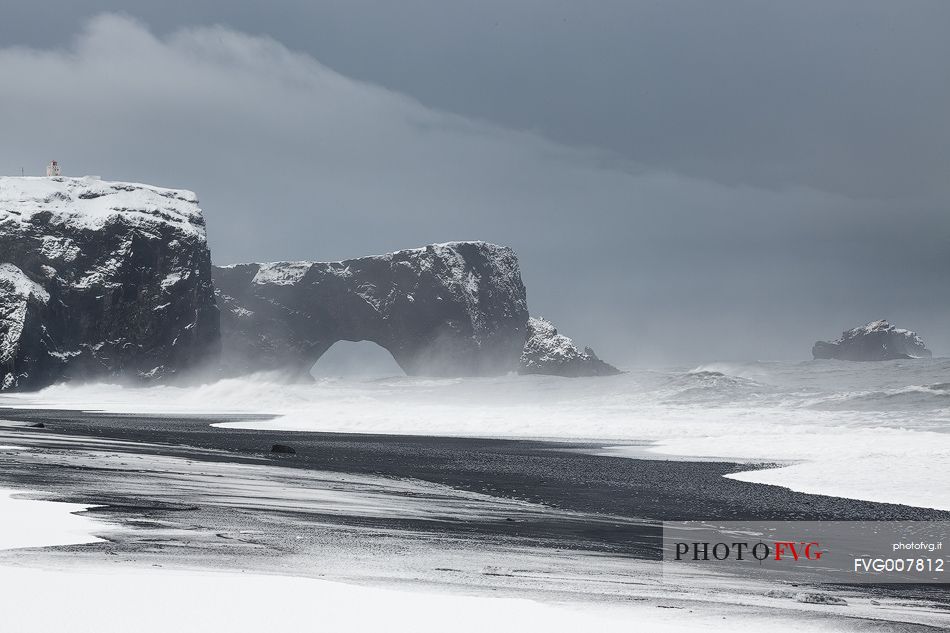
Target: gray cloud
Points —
{"points": [[670, 256], [838, 95]]}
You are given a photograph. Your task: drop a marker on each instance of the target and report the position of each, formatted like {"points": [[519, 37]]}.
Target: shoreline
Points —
{"points": [[576, 475], [529, 519], [874, 434]]}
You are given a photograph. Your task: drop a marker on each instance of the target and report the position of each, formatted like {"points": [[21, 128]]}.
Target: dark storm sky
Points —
{"points": [[683, 181]]}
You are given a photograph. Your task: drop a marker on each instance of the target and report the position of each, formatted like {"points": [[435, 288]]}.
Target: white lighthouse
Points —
{"points": [[52, 169]]}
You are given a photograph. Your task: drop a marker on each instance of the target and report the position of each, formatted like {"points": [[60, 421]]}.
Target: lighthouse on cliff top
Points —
{"points": [[52, 169]]}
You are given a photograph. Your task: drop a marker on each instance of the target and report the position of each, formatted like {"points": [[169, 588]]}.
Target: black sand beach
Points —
{"points": [[183, 492], [559, 475]]}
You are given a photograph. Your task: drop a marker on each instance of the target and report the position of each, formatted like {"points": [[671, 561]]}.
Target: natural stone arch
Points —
{"points": [[356, 359], [447, 309]]}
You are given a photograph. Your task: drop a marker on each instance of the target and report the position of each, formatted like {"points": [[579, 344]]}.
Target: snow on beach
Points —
{"points": [[28, 523], [872, 431], [106, 601], [119, 598]]}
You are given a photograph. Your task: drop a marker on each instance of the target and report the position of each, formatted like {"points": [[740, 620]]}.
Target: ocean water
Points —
{"points": [[873, 431]]}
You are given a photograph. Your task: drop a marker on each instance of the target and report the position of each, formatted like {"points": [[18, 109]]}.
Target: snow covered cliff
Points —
{"points": [[115, 279], [548, 352], [444, 309], [878, 340], [101, 278]]}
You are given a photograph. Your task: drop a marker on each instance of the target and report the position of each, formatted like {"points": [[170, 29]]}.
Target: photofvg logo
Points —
{"points": [[793, 551], [811, 551]]}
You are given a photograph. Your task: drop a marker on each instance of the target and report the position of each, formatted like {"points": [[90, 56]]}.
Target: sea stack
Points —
{"points": [[878, 340], [548, 352]]}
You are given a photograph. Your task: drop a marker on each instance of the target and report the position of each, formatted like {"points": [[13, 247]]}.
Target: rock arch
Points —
{"points": [[355, 359], [453, 309]]}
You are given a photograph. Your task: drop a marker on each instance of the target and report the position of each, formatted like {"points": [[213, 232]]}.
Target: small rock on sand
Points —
{"points": [[820, 598]]}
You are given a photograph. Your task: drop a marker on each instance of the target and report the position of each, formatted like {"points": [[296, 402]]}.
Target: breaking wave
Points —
{"points": [[910, 398], [702, 385]]}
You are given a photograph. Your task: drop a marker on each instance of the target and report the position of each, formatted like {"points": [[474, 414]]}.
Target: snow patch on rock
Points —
{"points": [[13, 280], [548, 352], [281, 273], [91, 203], [16, 291]]}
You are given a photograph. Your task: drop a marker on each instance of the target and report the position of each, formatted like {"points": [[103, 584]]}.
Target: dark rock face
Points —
{"points": [[878, 340], [547, 352], [451, 309], [101, 279]]}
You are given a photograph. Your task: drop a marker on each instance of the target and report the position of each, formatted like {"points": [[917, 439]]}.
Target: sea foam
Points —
{"points": [[872, 431]]}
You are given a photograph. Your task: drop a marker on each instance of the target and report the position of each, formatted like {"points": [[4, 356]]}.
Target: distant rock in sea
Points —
{"points": [[547, 352], [878, 340], [101, 279]]}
